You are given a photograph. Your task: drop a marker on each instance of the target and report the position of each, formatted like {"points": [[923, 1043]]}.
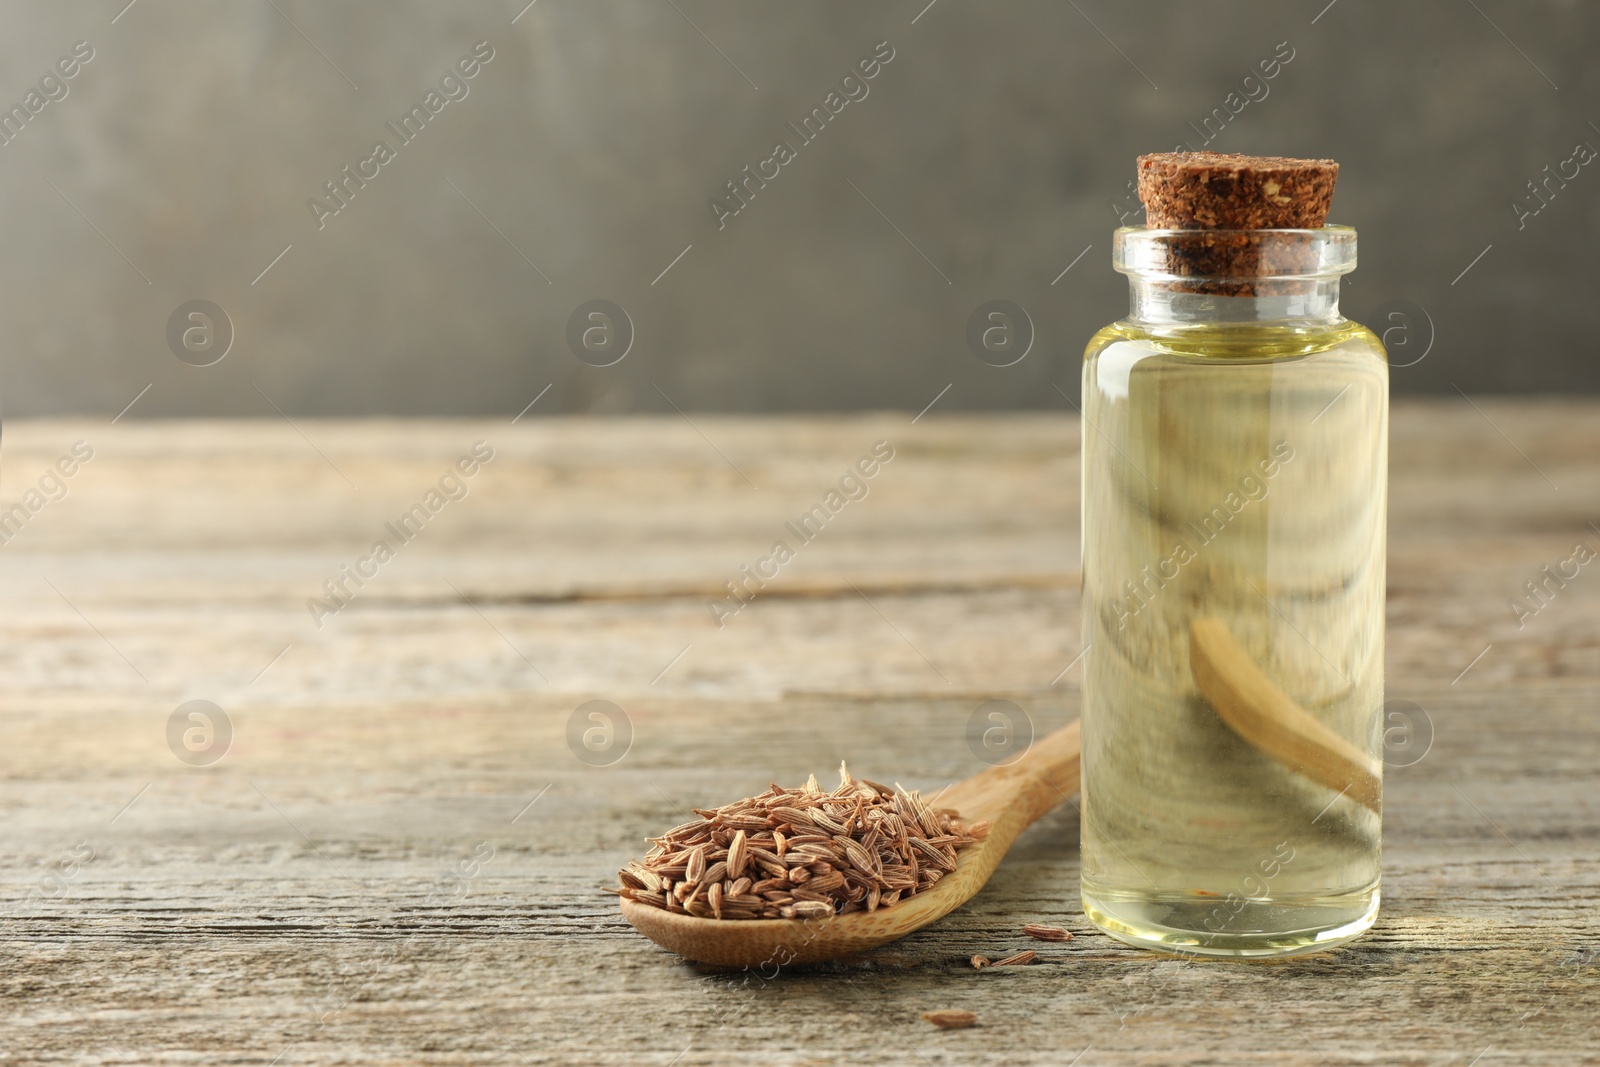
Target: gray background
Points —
{"points": [[996, 141]]}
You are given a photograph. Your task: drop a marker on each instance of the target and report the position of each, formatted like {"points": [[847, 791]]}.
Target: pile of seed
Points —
{"points": [[801, 853]]}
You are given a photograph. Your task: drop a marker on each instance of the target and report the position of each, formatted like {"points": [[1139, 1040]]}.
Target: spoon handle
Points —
{"points": [[1014, 795], [1268, 718]]}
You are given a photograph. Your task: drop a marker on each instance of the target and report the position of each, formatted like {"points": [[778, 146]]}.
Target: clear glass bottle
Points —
{"points": [[1234, 482]]}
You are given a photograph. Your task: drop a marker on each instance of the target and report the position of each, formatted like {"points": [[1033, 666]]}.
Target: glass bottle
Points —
{"points": [[1234, 501]]}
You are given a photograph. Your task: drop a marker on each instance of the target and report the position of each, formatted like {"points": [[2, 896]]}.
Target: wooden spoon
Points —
{"points": [[1010, 797], [1014, 796]]}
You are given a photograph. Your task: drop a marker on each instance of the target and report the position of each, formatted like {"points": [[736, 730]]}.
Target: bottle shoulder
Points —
{"points": [[1235, 342]]}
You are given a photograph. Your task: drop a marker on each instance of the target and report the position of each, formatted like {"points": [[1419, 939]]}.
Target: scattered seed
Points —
{"points": [[1016, 960], [951, 1019], [980, 962], [1046, 933]]}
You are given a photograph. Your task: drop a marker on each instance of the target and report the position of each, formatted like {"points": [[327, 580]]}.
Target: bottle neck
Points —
{"points": [[1165, 301]]}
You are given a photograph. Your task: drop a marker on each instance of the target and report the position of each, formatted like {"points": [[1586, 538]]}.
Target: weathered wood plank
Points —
{"points": [[296, 900]]}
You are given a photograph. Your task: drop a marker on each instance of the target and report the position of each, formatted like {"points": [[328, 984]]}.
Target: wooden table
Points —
{"points": [[399, 858]]}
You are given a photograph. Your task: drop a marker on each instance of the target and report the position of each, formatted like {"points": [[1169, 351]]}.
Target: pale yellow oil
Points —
{"points": [[1232, 470]]}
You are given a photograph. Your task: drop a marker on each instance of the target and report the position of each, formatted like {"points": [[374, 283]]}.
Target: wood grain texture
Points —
{"points": [[399, 859]]}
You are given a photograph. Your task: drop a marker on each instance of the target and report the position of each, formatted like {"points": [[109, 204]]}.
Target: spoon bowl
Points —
{"points": [[1010, 797]]}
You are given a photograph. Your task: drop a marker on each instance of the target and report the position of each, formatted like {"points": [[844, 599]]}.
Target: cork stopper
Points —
{"points": [[1212, 191], [1223, 197]]}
